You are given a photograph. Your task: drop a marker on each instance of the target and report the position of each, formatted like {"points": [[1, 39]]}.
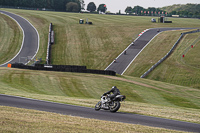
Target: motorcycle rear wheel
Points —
{"points": [[98, 106], [116, 106]]}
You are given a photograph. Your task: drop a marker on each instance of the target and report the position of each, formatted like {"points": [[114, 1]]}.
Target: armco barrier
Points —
{"points": [[52, 37], [63, 68], [50, 41], [168, 54]]}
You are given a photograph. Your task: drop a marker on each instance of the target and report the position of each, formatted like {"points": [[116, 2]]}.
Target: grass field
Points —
{"points": [[10, 38], [92, 45], [96, 46], [143, 96], [12, 120], [153, 52], [178, 70]]}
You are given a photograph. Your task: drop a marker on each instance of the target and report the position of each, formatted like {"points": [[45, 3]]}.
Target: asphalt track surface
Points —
{"points": [[30, 43], [123, 61], [29, 48], [85, 112]]}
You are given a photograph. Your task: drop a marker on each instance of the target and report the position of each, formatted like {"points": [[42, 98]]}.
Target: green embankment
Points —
{"points": [[31, 121], [176, 69], [143, 96], [10, 38], [96, 46]]}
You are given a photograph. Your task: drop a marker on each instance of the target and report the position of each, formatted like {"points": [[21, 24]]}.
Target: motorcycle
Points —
{"points": [[112, 105]]}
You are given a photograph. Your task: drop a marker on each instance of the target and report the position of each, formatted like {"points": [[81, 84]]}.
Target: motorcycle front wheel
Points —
{"points": [[115, 106], [98, 106]]}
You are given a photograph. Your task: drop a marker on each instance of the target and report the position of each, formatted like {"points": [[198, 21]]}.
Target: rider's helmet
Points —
{"points": [[113, 87]]}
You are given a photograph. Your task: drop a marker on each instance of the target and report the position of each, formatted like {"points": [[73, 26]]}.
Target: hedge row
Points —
{"points": [[63, 68]]}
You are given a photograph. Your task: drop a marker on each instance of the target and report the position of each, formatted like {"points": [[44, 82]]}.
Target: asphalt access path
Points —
{"points": [[30, 43], [85, 112], [123, 61]]}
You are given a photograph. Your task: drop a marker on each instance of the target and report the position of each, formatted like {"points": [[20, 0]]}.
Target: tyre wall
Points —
{"points": [[62, 68]]}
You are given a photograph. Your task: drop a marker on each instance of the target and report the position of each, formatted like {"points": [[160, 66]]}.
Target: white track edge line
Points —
{"points": [[22, 40], [125, 49], [23, 37], [139, 53]]}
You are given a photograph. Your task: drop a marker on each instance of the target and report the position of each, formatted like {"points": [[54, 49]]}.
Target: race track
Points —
{"points": [[30, 43], [30, 46], [123, 61], [101, 115]]}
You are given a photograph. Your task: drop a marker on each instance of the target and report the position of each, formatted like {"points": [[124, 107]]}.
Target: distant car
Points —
{"points": [[153, 20]]}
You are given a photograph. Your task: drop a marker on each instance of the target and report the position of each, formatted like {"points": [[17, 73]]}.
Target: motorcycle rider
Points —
{"points": [[115, 92]]}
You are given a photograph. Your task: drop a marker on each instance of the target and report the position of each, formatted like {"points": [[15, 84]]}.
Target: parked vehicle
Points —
{"points": [[153, 20]]}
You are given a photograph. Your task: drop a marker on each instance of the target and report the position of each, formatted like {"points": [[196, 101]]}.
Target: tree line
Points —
{"points": [[91, 7], [188, 10], [57, 5], [138, 10]]}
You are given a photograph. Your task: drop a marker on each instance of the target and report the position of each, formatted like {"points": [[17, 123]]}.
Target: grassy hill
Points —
{"points": [[187, 10], [10, 38], [176, 70], [44, 122], [96, 46], [143, 96], [183, 7]]}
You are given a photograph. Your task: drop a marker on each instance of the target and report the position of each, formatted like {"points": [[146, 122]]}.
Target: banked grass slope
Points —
{"points": [[10, 38], [96, 46], [176, 69], [143, 96]]}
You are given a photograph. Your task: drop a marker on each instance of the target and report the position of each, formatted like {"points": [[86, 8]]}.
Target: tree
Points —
{"points": [[173, 12], [138, 9], [128, 10], [49, 4], [58, 5], [102, 8], [152, 9], [72, 7], [91, 7], [82, 4], [39, 4]]}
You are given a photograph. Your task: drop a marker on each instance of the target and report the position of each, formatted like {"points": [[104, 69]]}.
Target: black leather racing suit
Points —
{"points": [[115, 92]]}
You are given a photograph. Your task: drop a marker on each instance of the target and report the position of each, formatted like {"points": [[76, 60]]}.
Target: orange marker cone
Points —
{"points": [[9, 65]]}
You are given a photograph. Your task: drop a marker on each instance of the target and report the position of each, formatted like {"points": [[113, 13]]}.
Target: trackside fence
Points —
{"points": [[50, 42], [63, 68], [168, 54]]}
